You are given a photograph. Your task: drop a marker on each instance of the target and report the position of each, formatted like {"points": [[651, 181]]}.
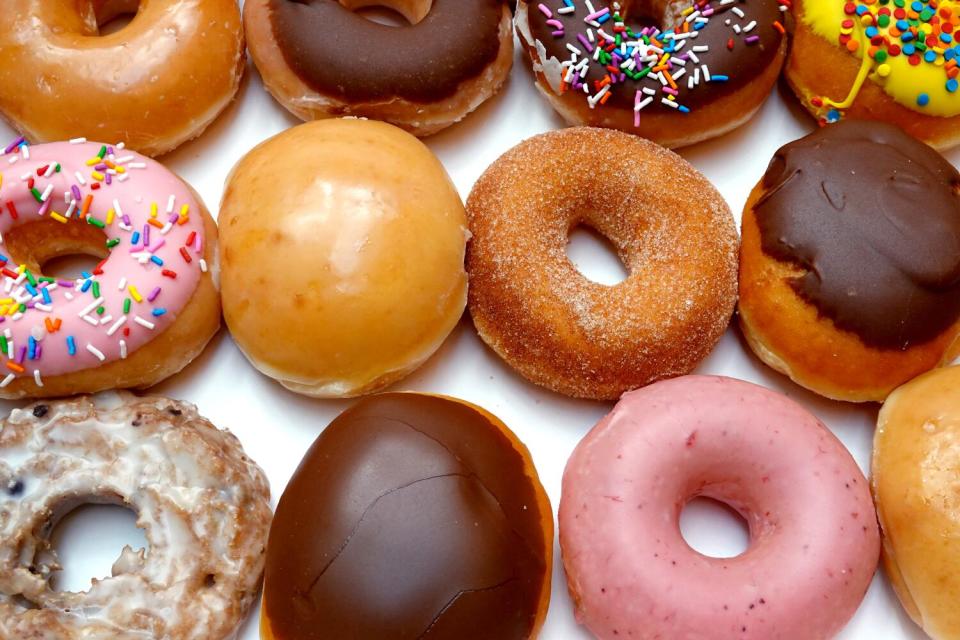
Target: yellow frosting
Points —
{"points": [[903, 82]]}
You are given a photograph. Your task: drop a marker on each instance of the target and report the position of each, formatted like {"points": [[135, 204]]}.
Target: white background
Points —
{"points": [[276, 426]]}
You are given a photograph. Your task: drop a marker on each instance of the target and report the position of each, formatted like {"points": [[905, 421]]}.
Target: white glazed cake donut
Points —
{"points": [[203, 504]]}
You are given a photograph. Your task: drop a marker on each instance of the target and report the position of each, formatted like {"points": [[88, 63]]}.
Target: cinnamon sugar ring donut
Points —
{"points": [[203, 505], [319, 59], [670, 227]]}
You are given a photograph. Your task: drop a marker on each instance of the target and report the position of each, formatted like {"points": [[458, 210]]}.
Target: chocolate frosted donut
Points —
{"points": [[703, 72], [411, 516], [321, 59], [856, 227]]}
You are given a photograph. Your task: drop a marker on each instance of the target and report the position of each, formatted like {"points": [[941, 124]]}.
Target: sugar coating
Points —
{"points": [[670, 227]]}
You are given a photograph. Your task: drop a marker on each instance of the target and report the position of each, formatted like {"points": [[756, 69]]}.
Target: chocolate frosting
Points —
{"points": [[741, 64], [872, 216], [342, 54], [411, 516]]}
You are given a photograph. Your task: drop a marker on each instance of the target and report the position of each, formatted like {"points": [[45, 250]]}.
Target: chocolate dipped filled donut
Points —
{"points": [[411, 516], [850, 263], [203, 505], [319, 59], [673, 72]]}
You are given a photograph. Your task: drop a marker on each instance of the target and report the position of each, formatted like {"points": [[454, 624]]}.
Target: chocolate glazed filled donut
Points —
{"points": [[850, 262], [703, 73], [411, 517], [320, 59]]}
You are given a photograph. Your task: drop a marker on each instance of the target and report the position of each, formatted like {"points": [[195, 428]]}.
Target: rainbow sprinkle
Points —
{"points": [[923, 31]]}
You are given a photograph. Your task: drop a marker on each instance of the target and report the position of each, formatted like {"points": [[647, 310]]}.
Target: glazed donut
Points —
{"points": [[669, 226], [702, 74], [202, 503], [411, 516], [915, 485], [850, 264], [321, 60], [814, 543], [145, 311], [895, 62], [369, 213], [153, 85]]}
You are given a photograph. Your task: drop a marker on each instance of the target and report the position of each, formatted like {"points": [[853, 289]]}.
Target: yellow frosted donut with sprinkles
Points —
{"points": [[890, 60], [143, 313]]}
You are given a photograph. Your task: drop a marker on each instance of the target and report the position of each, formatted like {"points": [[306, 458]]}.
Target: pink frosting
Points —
{"points": [[814, 540], [129, 184]]}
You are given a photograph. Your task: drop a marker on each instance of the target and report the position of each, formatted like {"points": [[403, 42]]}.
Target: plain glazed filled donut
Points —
{"points": [[319, 59], [411, 516], [147, 309], [706, 71], [814, 543], [670, 227], [916, 455], [370, 218], [203, 504], [850, 264], [154, 84]]}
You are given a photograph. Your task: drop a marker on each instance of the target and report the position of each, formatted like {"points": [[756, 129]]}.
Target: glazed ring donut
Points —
{"points": [[321, 60], [153, 85], [814, 541], [606, 64], [202, 503], [850, 264], [893, 62], [149, 307], [669, 226]]}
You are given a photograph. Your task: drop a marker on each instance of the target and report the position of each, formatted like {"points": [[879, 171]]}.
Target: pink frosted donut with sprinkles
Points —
{"points": [[148, 307], [700, 72]]}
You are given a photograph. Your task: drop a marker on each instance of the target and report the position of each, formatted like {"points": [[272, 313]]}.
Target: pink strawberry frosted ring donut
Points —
{"points": [[814, 541], [145, 311], [704, 72]]}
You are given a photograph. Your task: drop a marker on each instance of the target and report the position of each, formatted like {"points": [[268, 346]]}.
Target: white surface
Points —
{"points": [[277, 426]]}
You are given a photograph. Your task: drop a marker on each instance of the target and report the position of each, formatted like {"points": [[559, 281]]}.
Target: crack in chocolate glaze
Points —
{"points": [[872, 217], [371, 506]]}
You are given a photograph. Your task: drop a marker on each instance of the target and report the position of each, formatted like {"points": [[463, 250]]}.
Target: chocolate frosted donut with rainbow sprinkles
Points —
{"points": [[148, 307], [674, 72]]}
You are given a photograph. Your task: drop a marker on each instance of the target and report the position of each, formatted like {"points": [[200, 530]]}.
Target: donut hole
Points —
{"points": [[660, 13], [594, 256], [89, 540], [49, 248], [391, 13], [383, 15], [70, 266], [714, 528], [113, 15]]}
